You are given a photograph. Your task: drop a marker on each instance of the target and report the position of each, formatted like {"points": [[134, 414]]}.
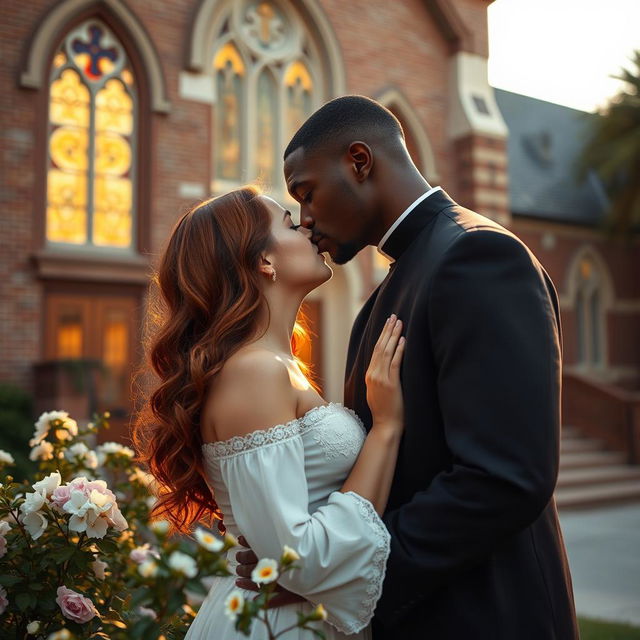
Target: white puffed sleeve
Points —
{"points": [[343, 545]]}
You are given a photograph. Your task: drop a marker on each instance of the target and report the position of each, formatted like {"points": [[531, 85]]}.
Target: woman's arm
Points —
{"points": [[372, 474]]}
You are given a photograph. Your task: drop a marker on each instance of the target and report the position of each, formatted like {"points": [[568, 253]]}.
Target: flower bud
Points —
{"points": [[289, 555], [319, 613]]}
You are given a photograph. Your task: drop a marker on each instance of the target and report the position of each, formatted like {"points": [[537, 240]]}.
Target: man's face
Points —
{"points": [[331, 202]]}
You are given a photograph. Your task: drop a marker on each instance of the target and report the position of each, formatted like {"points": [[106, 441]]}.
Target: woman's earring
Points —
{"points": [[273, 275]]}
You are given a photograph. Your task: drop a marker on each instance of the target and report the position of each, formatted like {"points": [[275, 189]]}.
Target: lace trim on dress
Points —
{"points": [[272, 435], [378, 564]]}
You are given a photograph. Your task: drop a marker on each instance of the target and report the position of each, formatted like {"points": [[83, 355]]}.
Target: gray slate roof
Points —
{"points": [[545, 140]]}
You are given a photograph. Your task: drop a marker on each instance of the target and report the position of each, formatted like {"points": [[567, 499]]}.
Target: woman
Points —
{"points": [[238, 429]]}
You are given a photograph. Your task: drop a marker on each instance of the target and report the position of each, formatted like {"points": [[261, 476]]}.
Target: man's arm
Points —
{"points": [[496, 347]]}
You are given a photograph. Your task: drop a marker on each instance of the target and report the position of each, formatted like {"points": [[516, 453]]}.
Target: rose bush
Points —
{"points": [[80, 559]]}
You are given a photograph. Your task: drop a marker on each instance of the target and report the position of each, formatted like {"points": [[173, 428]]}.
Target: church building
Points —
{"points": [[118, 115]]}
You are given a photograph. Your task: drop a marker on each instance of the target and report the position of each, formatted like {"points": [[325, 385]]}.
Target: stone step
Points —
{"points": [[575, 445], [571, 432], [598, 494], [597, 475], [584, 459]]}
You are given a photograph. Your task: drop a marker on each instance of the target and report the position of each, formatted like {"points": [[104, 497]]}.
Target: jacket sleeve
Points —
{"points": [[496, 346]]}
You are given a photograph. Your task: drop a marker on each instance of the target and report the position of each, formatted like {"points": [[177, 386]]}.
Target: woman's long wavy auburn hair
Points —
{"points": [[206, 306]]}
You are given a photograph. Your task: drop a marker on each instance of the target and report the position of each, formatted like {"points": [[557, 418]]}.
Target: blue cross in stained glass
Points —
{"points": [[95, 51]]}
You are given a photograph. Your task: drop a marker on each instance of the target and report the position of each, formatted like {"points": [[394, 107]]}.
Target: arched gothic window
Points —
{"points": [[590, 315], [91, 141], [266, 86]]}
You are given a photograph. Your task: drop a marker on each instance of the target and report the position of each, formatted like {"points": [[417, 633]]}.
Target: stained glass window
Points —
{"points": [[299, 87], [92, 113], [266, 138], [589, 311], [229, 76], [262, 65]]}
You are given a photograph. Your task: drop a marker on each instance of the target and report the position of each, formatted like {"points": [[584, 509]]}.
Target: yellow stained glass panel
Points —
{"points": [[113, 154], [69, 100], [68, 147], [229, 54], [266, 127], [112, 212], [127, 76], [298, 72], [59, 59], [66, 211], [114, 109], [299, 85]]}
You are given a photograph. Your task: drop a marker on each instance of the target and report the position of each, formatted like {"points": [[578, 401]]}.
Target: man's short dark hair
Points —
{"points": [[352, 117]]}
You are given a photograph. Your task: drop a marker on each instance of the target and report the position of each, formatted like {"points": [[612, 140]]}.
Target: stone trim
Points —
{"points": [[34, 73]]}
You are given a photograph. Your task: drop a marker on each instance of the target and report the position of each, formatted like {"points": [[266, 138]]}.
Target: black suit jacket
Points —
{"points": [[476, 548]]}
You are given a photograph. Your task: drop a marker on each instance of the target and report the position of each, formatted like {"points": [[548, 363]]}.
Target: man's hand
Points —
{"points": [[247, 561]]}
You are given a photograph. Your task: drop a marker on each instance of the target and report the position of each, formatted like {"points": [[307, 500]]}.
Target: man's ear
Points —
{"points": [[361, 159]]}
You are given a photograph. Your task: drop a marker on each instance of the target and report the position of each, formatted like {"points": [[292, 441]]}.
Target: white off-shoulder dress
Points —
{"points": [[281, 486]]}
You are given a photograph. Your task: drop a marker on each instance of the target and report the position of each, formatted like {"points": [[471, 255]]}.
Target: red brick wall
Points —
{"points": [[19, 295], [383, 44], [622, 261]]}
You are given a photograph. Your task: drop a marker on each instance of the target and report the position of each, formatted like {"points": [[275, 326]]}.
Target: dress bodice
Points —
{"points": [[332, 436], [282, 486]]}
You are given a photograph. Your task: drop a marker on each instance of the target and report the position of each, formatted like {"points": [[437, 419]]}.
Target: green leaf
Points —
{"points": [[9, 581], [23, 601], [107, 546], [62, 555]]}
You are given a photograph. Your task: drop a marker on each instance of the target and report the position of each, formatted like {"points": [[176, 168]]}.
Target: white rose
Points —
{"points": [[148, 569], [77, 450], [5, 527], [49, 484], [33, 627], [42, 451], [91, 460], [98, 567], [183, 563], [6, 458], [33, 502], [144, 478], [159, 527], [42, 425], [208, 540], [35, 523]]}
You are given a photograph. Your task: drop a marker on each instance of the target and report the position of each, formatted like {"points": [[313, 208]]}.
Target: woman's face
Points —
{"points": [[294, 257]]}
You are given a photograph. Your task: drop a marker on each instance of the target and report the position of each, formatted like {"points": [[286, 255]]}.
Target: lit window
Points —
{"points": [[92, 114], [590, 317], [265, 90]]}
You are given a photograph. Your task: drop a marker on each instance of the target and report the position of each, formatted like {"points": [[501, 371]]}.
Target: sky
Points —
{"points": [[562, 51]]}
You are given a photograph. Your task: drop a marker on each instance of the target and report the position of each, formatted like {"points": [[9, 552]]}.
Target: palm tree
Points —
{"points": [[613, 152]]}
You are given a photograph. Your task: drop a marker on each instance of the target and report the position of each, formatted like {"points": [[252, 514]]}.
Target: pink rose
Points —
{"points": [[61, 496], [143, 553], [74, 606]]}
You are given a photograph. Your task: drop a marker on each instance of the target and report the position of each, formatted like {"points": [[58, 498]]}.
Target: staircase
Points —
{"points": [[591, 476]]}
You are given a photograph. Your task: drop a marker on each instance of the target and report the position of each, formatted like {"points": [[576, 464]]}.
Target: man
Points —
{"points": [[476, 548]]}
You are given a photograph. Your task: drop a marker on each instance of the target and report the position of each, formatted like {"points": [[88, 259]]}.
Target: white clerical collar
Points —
{"points": [[402, 216]]}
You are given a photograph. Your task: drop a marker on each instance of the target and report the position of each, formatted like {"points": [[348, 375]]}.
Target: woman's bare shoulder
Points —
{"points": [[253, 391]]}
